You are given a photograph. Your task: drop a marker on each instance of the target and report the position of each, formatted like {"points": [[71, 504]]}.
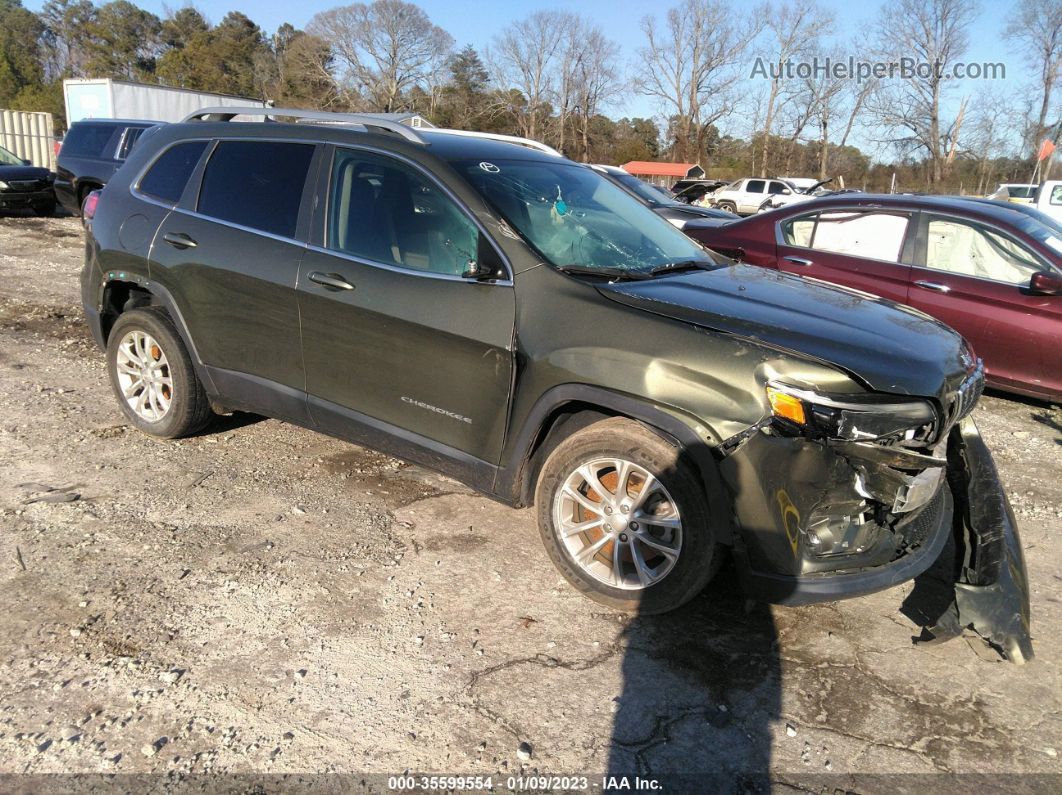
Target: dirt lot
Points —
{"points": [[262, 599]]}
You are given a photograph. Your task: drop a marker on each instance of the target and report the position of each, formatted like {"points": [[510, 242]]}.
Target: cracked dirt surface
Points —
{"points": [[264, 599]]}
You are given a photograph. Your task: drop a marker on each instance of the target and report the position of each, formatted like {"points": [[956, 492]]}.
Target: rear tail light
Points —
{"points": [[88, 210], [56, 146]]}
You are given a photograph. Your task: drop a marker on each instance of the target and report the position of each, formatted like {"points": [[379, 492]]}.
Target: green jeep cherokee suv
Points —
{"points": [[480, 305]]}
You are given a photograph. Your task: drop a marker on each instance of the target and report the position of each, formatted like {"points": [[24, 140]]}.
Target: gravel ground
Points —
{"points": [[263, 599]]}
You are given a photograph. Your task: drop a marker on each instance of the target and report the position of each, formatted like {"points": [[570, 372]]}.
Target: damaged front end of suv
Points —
{"points": [[849, 494]]}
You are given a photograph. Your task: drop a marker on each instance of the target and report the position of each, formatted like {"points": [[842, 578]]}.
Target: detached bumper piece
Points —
{"points": [[991, 584]]}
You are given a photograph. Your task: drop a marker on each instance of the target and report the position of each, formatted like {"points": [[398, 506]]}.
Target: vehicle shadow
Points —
{"points": [[224, 423], [701, 687]]}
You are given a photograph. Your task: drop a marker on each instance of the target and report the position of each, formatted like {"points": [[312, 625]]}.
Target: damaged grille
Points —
{"points": [[27, 184], [962, 401]]}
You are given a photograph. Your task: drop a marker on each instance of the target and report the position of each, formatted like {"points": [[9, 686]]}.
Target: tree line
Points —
{"points": [[555, 76]]}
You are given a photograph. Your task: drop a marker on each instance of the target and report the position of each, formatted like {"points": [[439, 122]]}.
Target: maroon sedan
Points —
{"points": [[991, 270]]}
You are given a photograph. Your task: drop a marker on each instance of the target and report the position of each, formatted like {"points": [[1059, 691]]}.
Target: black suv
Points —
{"points": [[480, 305], [91, 152]]}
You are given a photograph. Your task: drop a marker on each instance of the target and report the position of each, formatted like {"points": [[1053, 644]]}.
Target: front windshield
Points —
{"points": [[650, 193], [8, 159], [576, 218]]}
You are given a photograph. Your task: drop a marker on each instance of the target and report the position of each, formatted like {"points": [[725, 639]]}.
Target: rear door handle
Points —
{"points": [[179, 240], [799, 261], [330, 281], [940, 288]]}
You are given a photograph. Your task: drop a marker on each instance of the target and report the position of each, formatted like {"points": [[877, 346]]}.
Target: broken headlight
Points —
{"points": [[851, 418]]}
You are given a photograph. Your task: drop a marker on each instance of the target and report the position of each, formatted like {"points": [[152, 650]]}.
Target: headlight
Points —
{"points": [[851, 418], [3, 185]]}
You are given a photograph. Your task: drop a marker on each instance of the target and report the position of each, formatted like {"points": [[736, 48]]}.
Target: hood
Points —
{"points": [[889, 347], [22, 172]]}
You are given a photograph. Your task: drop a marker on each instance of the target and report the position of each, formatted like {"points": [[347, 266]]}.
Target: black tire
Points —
{"points": [[730, 207], [189, 409], [45, 209], [700, 557]]}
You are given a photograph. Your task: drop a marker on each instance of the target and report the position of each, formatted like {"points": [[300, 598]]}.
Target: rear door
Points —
{"points": [[976, 279], [229, 254], [395, 339], [864, 249], [752, 195]]}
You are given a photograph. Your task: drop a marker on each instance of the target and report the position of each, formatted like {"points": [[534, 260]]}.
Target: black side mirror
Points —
{"points": [[27, 162], [1045, 283]]}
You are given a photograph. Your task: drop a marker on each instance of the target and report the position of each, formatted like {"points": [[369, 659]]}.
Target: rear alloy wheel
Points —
{"points": [[152, 375], [730, 207], [625, 518]]}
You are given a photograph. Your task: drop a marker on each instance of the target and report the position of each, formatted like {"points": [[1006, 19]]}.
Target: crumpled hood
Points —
{"points": [[22, 172], [892, 348]]}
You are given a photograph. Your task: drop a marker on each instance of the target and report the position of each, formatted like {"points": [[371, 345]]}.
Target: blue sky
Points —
{"points": [[476, 22]]}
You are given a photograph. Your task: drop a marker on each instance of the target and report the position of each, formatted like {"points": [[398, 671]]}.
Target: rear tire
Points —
{"points": [[730, 207], [625, 559], [153, 377]]}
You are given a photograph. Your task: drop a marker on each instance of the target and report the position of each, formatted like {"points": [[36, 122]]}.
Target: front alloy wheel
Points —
{"points": [[619, 523]]}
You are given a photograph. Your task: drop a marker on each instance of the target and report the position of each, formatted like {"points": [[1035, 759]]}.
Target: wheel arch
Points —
{"points": [[568, 408]]}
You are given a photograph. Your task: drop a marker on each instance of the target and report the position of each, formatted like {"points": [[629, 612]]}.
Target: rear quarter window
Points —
{"points": [[170, 172], [257, 184], [90, 140]]}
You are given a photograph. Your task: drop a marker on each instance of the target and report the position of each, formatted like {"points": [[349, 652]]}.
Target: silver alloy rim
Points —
{"points": [[144, 376], [619, 523]]}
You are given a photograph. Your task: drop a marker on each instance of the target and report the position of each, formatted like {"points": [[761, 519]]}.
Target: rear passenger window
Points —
{"points": [[755, 186], [89, 140], [257, 184], [169, 174]]}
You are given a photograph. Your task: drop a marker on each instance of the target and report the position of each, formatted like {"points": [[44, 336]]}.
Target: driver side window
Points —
{"points": [[973, 250], [383, 210]]}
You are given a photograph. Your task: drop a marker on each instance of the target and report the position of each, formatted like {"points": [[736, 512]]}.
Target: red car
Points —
{"points": [[991, 270]]}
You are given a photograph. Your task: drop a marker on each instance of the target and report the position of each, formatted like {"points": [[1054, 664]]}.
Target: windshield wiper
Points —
{"points": [[603, 270], [684, 265]]}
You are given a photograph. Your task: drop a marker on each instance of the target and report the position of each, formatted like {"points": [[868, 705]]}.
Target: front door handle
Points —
{"points": [[940, 288], [330, 281], [799, 261], [179, 240]]}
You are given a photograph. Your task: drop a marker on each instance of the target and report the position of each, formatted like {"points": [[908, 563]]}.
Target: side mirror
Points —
{"points": [[27, 162], [1045, 283], [786, 191]]}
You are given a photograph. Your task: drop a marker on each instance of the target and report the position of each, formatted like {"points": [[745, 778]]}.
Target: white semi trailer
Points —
{"points": [[105, 98]]}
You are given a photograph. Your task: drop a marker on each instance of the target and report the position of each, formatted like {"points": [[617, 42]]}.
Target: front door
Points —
{"points": [[976, 279], [856, 248], [395, 338]]}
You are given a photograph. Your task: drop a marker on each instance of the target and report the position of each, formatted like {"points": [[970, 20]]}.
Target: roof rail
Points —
{"points": [[368, 122], [509, 139]]}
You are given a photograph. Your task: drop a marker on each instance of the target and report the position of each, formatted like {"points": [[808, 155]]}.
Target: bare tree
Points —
{"points": [[794, 27], [596, 81], [524, 56], [386, 48], [1036, 26], [688, 65], [934, 34], [991, 126]]}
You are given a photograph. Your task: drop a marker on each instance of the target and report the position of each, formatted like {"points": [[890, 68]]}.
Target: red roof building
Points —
{"points": [[648, 168]]}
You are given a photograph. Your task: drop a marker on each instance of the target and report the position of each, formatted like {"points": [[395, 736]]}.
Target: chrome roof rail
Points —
{"points": [[509, 139], [368, 122]]}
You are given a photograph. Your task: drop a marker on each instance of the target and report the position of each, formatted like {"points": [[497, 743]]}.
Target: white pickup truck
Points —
{"points": [[1048, 199]]}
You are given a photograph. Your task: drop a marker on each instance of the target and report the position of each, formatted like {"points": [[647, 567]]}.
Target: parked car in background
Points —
{"points": [[746, 196], [23, 185], [483, 306], [688, 191], [989, 269], [800, 193], [92, 151], [1018, 192], [659, 202], [1048, 199]]}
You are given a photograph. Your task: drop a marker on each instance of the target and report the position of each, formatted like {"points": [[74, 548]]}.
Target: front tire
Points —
{"points": [[152, 376], [625, 518]]}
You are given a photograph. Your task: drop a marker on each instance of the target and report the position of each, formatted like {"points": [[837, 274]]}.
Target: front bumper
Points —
{"points": [[780, 485], [10, 198]]}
